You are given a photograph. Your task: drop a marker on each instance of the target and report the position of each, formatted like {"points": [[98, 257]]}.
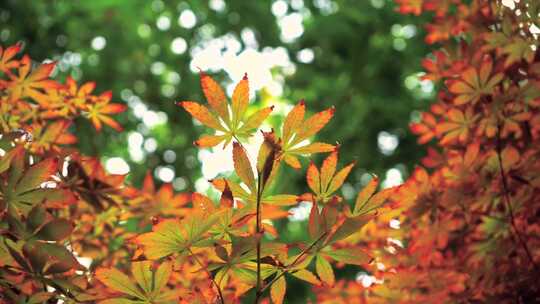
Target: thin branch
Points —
{"points": [[258, 232], [507, 199], [64, 291], [287, 268], [45, 281], [209, 275]]}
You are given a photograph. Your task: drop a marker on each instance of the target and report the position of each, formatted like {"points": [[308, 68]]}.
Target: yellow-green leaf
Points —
{"points": [[118, 281], [349, 227], [278, 289], [165, 239], [353, 256], [142, 273], [255, 120], [339, 178], [328, 169], [313, 125], [242, 166], [240, 100], [307, 276], [324, 270], [292, 161], [316, 147], [366, 193], [281, 200], [293, 121], [162, 275]]}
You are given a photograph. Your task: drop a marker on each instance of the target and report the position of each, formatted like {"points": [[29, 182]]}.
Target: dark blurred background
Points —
{"points": [[361, 56]]}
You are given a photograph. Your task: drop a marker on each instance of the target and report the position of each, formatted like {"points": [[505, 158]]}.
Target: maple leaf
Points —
{"points": [[233, 220], [267, 167], [440, 31], [475, 83], [278, 290], [100, 108], [458, 126], [368, 200], [296, 131], [328, 226], [43, 258], [150, 284], [324, 270], [22, 190], [87, 177], [327, 181], [238, 262], [38, 250], [410, 6], [6, 56], [436, 67], [295, 266], [425, 128], [51, 136], [151, 203], [172, 236], [518, 49], [69, 100], [32, 84], [230, 121]]}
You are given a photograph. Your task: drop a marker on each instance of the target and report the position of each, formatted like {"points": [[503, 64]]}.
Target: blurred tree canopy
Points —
{"points": [[359, 56]]}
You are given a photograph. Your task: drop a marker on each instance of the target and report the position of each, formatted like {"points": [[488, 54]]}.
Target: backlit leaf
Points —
{"points": [[324, 270], [240, 100], [118, 281], [242, 166], [313, 178], [366, 193], [215, 96], [278, 289], [349, 256], [307, 276], [202, 114], [142, 273]]}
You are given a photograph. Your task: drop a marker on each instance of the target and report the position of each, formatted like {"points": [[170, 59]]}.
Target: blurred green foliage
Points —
{"points": [[360, 56]]}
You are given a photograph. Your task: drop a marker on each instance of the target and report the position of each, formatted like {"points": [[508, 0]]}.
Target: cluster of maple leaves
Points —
{"points": [[466, 223], [464, 227], [59, 208]]}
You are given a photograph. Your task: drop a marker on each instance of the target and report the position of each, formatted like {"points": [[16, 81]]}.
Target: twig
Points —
{"points": [[507, 198], [287, 268], [209, 275], [258, 292]]}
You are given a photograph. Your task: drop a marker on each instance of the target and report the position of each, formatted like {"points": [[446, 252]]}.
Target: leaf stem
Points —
{"points": [[209, 275], [259, 236], [507, 198], [286, 269]]}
